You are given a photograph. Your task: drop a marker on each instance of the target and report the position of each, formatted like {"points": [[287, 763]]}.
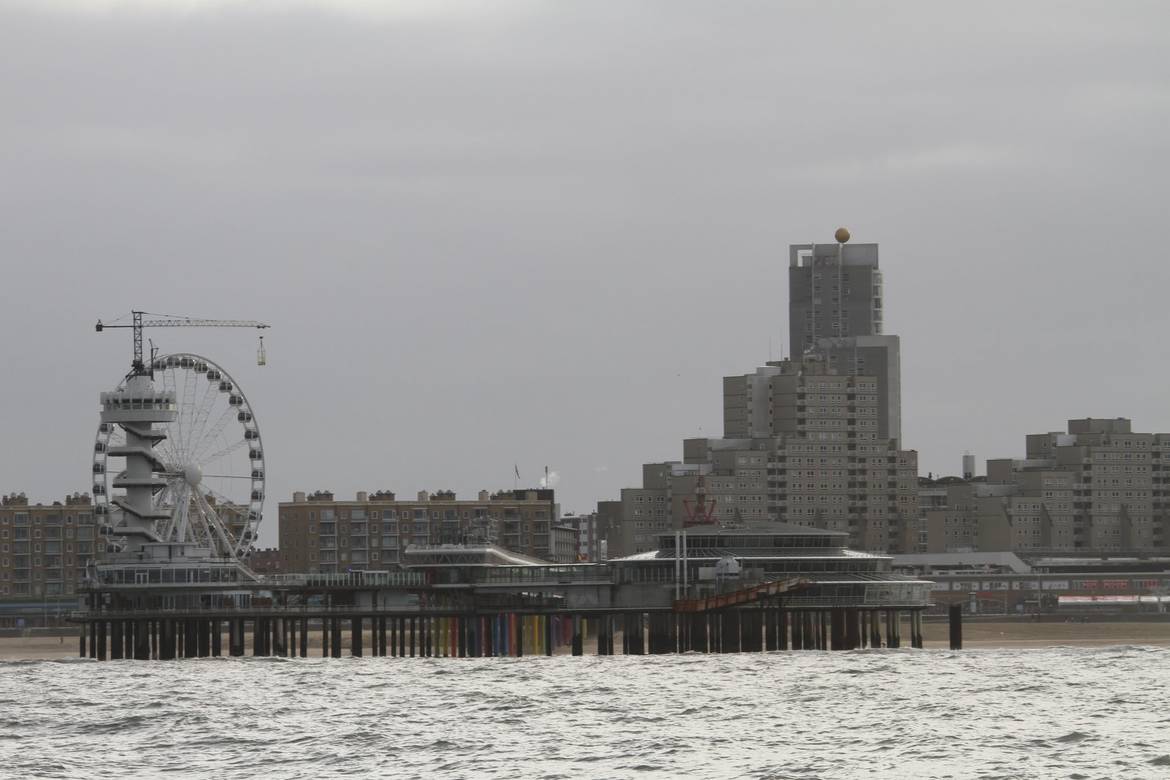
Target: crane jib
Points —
{"points": [[139, 322]]}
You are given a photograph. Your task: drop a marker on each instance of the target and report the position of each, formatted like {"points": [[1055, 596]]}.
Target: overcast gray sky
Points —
{"points": [[539, 233]]}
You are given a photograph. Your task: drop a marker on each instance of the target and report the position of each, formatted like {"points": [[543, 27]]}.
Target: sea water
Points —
{"points": [[1059, 712]]}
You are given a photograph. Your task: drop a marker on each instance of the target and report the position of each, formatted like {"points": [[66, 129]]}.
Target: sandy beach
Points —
{"points": [[976, 634], [1023, 634]]}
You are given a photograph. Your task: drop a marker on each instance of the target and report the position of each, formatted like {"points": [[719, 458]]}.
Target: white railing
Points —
{"points": [[390, 579]]}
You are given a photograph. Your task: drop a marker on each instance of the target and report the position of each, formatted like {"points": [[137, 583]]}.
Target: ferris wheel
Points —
{"points": [[207, 467]]}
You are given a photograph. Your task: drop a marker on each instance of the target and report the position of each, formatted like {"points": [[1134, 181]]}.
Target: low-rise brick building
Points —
{"points": [[319, 533], [44, 548]]}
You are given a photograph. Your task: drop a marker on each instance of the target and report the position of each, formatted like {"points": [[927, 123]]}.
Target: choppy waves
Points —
{"points": [[1060, 712]]}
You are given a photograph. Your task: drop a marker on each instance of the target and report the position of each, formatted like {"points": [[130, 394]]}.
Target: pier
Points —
{"points": [[171, 576], [288, 633], [758, 589]]}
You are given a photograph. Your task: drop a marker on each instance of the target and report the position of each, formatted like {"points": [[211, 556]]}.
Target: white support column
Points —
{"points": [[677, 562]]}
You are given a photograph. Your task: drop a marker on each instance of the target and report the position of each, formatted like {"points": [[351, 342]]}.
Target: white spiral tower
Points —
{"points": [[136, 407]]}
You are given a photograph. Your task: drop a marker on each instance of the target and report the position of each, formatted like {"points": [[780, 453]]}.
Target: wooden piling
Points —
{"points": [[837, 629], [117, 646], [956, 626], [142, 640], [852, 629], [731, 631], [771, 625]]}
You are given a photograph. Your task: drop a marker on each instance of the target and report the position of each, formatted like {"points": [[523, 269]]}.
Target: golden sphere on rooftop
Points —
{"points": [[842, 235]]}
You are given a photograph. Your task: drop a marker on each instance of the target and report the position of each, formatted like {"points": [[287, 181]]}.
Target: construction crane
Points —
{"points": [[700, 512], [140, 321]]}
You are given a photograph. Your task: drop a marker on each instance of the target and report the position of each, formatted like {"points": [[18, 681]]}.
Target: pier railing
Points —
{"points": [[293, 610], [354, 579]]}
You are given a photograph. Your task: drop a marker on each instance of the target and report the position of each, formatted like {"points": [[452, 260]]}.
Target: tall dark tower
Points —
{"points": [[835, 313], [834, 290]]}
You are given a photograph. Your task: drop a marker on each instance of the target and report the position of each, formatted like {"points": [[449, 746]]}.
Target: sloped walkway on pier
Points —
{"points": [[742, 596]]}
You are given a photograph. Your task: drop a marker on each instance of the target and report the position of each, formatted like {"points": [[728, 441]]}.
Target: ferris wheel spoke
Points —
{"points": [[182, 421], [188, 397], [160, 498], [170, 455], [174, 491], [209, 436], [181, 424], [182, 513], [191, 407], [196, 526], [167, 495], [206, 403], [214, 522], [206, 460], [174, 438], [227, 505]]}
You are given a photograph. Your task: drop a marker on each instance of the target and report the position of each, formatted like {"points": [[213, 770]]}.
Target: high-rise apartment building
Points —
{"points": [[831, 462], [811, 440], [806, 398], [835, 311], [880, 359], [1098, 489], [44, 548], [321, 534], [834, 291], [803, 445]]}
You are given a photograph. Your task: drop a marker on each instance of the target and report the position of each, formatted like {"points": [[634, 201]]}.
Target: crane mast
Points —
{"points": [[138, 322]]}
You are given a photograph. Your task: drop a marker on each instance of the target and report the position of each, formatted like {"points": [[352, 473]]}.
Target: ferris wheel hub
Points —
{"points": [[192, 474]]}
